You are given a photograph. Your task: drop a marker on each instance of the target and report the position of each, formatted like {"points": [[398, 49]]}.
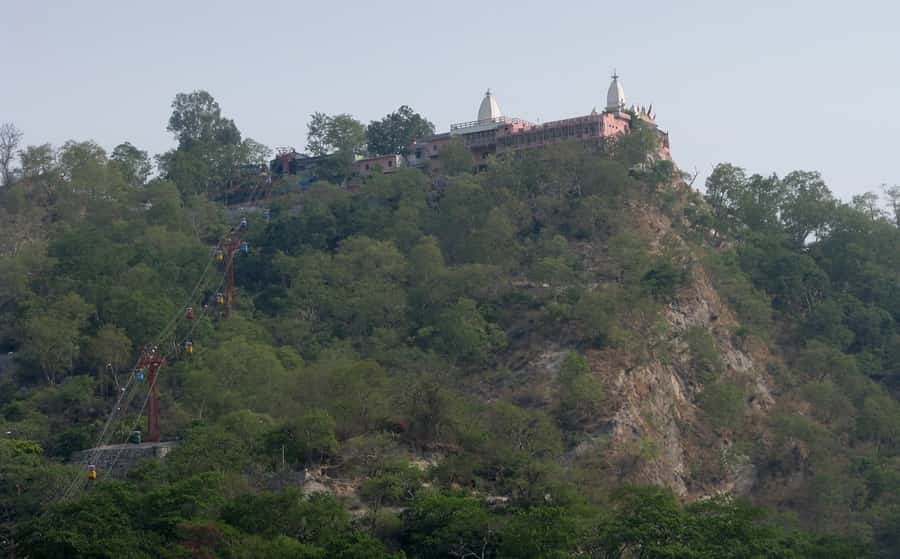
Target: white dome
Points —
{"points": [[615, 97], [489, 108]]}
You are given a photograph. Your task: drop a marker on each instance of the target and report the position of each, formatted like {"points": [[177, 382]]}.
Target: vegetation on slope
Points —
{"points": [[376, 337]]}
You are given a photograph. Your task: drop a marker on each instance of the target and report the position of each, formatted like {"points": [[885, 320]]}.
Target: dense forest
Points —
{"points": [[443, 363]]}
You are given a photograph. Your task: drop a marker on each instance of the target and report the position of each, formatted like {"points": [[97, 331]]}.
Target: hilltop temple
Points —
{"points": [[493, 133]]}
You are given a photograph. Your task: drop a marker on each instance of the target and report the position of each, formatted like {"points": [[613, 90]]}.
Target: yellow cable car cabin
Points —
{"points": [[189, 347], [92, 472], [220, 299], [220, 255]]}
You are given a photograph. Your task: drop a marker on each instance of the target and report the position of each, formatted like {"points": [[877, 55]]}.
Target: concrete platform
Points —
{"points": [[116, 460]]}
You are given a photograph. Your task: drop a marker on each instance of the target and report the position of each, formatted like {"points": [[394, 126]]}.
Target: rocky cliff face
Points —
{"points": [[657, 401], [654, 429]]}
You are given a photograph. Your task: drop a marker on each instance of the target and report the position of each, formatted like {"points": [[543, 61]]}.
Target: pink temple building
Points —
{"points": [[493, 133]]}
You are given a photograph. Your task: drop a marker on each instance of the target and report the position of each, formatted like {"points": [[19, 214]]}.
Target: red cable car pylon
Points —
{"points": [[152, 360]]}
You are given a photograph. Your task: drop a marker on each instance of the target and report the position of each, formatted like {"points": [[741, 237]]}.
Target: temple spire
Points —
{"points": [[615, 96], [489, 109]]}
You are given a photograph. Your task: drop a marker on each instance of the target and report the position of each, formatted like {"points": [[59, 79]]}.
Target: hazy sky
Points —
{"points": [[768, 85]]}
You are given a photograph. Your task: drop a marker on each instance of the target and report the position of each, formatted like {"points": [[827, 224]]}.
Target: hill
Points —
{"points": [[571, 352]]}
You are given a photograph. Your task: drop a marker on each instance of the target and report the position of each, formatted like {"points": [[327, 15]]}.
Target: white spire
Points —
{"points": [[615, 97], [489, 108]]}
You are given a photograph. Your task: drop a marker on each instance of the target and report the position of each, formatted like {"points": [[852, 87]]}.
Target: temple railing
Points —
{"points": [[497, 120]]}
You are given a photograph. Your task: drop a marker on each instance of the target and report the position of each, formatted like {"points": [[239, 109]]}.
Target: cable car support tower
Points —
{"points": [[151, 360]]}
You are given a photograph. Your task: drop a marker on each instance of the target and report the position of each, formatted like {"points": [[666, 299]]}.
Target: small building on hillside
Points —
{"points": [[384, 163], [289, 162], [423, 150]]}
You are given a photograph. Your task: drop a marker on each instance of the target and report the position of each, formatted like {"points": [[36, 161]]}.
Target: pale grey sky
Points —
{"points": [[768, 85]]}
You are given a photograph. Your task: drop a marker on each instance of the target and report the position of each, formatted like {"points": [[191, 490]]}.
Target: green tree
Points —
{"points": [[726, 527], [455, 158], [826, 322], [197, 119], [335, 134], [520, 437], [133, 163], [306, 439], [396, 131], [638, 147], [581, 394], [462, 333], [868, 203], [209, 145], [820, 361], [236, 375], [644, 522], [723, 190], [40, 173], [724, 402], [38, 161], [705, 358], [27, 482], [358, 290], [807, 205], [439, 526], [230, 445], [539, 532], [253, 152], [396, 484], [109, 351], [494, 242], [892, 193], [74, 156], [341, 137], [52, 335], [320, 521], [10, 137], [145, 522], [754, 202], [879, 421]]}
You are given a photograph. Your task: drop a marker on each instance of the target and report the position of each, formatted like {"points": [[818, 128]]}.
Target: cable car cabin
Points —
{"points": [[189, 313], [139, 375], [189, 347], [135, 437], [220, 255], [220, 299], [243, 224], [245, 248], [92, 472]]}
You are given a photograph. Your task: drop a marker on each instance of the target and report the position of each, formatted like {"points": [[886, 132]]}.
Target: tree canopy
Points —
{"points": [[396, 131], [446, 362]]}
